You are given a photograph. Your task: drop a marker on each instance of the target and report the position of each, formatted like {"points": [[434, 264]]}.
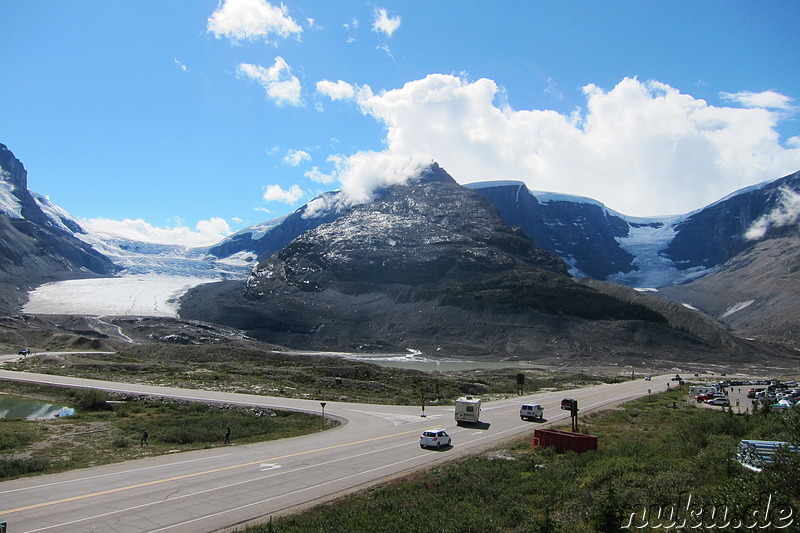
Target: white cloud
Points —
{"points": [[338, 90], [295, 157], [276, 193], [786, 213], [205, 232], [251, 19], [279, 82], [383, 23], [183, 67], [642, 148], [766, 99], [316, 175]]}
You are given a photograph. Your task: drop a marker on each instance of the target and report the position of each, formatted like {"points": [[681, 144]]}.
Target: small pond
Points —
{"points": [[15, 407]]}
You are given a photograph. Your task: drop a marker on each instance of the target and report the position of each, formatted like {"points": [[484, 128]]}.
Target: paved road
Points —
{"points": [[209, 490]]}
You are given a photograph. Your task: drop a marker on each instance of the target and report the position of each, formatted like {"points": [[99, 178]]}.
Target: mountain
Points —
{"points": [[38, 241], [430, 265], [755, 237], [700, 260], [267, 238]]}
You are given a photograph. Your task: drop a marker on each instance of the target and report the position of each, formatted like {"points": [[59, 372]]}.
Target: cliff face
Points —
{"points": [[716, 234], [34, 247], [582, 233]]}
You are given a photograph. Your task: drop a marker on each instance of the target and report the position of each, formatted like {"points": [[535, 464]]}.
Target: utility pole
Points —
{"points": [[573, 410], [323, 414]]}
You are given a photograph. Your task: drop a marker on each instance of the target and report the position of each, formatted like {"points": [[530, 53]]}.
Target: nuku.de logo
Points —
{"points": [[768, 512]]}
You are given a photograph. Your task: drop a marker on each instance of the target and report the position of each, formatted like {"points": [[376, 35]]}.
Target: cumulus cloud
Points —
{"points": [[338, 90], [766, 99], [320, 177], [276, 193], [205, 232], [279, 82], [295, 157], [786, 213], [642, 148], [383, 23], [251, 19]]}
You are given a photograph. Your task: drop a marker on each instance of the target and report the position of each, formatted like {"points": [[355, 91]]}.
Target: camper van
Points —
{"points": [[531, 412], [468, 410]]}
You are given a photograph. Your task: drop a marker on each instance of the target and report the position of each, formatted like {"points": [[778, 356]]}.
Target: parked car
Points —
{"points": [[531, 412], [719, 401], [435, 438], [706, 396]]}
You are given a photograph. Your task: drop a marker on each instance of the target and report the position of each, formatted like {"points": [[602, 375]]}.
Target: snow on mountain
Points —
{"points": [[9, 204], [145, 295]]}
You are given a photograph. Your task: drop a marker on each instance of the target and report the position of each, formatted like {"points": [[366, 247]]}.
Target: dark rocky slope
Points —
{"points": [[35, 248], [430, 266]]}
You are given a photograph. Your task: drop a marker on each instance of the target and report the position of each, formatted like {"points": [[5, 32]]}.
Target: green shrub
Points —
{"points": [[91, 400], [19, 467], [10, 441]]}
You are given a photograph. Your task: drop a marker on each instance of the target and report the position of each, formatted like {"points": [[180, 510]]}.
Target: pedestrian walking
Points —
{"points": [[143, 441], [228, 436]]}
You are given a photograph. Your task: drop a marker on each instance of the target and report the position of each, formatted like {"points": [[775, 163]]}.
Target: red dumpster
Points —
{"points": [[565, 440]]}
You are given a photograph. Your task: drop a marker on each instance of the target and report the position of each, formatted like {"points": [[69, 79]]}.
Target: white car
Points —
{"points": [[435, 438], [719, 400]]}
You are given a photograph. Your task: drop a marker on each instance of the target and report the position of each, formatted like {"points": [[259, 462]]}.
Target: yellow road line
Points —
{"points": [[195, 474]]}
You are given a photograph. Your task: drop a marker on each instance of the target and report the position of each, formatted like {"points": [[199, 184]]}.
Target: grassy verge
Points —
{"points": [[101, 432], [223, 368], [650, 456]]}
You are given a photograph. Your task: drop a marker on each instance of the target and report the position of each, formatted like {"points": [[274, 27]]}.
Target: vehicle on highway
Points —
{"points": [[23, 351], [468, 410], [531, 412], [719, 401], [434, 438], [566, 404]]}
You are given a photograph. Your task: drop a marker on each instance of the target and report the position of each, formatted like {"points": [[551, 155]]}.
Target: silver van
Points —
{"points": [[531, 412]]}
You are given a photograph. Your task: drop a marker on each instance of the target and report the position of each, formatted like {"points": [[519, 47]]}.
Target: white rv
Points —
{"points": [[468, 410]]}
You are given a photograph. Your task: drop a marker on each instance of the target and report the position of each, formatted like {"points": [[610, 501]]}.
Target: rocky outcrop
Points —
{"points": [[581, 232], [716, 233], [36, 248]]}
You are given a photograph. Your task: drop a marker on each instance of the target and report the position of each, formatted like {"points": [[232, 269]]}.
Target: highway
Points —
{"points": [[214, 489]]}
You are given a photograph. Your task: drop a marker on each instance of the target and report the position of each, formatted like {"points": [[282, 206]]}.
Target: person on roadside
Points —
{"points": [[143, 440], [228, 436]]}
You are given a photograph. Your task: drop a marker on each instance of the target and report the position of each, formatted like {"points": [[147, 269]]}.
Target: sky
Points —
{"points": [[184, 121]]}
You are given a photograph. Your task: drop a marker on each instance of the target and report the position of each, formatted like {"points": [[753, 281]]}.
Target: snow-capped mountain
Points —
{"points": [[645, 252], [37, 243], [41, 243]]}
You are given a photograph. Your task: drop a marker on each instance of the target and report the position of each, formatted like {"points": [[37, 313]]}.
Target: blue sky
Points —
{"points": [[184, 121]]}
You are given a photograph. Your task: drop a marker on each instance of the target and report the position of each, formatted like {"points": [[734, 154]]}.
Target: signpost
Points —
{"points": [[323, 414]]}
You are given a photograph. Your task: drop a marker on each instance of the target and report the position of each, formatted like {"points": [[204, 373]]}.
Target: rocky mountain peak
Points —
{"points": [[12, 170], [430, 231]]}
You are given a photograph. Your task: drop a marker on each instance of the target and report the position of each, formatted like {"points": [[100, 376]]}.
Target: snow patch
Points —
{"points": [[646, 240], [736, 307], [151, 295], [9, 204]]}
